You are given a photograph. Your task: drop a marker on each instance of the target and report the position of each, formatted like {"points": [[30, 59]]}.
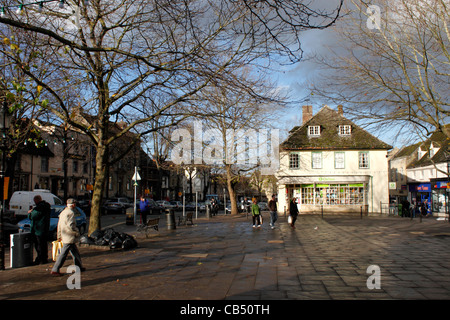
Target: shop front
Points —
{"points": [[332, 194], [440, 193], [420, 193]]}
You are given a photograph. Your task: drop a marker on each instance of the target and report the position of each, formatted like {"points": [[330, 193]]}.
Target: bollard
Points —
{"points": [[208, 212], [170, 216], [361, 212]]}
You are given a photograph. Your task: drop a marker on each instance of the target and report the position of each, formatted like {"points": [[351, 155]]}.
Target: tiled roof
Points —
{"points": [[329, 121]]}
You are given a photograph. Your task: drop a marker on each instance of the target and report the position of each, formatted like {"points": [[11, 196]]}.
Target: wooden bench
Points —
{"points": [[151, 223], [184, 220]]}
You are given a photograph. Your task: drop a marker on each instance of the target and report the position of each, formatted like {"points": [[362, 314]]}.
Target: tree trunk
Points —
{"points": [[231, 192], [100, 179]]}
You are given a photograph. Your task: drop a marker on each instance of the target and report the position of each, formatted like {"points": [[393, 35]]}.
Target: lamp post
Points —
{"points": [[5, 119]]}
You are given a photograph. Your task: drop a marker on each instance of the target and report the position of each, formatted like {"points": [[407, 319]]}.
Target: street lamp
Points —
{"points": [[5, 119]]}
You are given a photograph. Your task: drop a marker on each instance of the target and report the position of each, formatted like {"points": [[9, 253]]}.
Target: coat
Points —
{"points": [[293, 209], [67, 226], [40, 218], [255, 210]]}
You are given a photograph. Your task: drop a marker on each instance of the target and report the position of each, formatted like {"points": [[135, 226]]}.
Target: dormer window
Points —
{"points": [[345, 130], [314, 131]]}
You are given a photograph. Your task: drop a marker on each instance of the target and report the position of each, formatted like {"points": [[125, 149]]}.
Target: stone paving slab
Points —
{"points": [[224, 258]]}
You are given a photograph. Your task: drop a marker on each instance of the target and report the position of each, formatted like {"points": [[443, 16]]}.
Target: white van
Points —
{"points": [[22, 201]]}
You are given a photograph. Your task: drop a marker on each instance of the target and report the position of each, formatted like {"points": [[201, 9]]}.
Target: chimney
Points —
{"points": [[340, 110], [307, 113]]}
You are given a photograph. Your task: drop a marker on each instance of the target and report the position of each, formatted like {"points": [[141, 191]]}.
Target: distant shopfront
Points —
{"points": [[440, 193], [435, 194], [420, 193]]}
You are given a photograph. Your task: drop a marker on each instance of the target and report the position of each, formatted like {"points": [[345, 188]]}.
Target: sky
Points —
{"points": [[295, 77]]}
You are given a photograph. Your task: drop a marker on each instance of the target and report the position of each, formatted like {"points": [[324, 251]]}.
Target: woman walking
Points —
{"points": [[293, 212]]}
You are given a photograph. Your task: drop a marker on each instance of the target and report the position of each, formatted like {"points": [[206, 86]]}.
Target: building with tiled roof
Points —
{"points": [[419, 173], [330, 162]]}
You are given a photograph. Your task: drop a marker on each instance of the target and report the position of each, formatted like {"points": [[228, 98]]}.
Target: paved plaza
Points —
{"points": [[224, 258]]}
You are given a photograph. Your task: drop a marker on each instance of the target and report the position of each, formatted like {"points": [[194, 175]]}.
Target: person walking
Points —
{"points": [[256, 212], [67, 233], [39, 228], [145, 209], [273, 211], [293, 212]]}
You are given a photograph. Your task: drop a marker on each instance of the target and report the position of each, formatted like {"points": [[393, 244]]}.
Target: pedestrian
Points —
{"points": [[247, 205], [145, 209], [214, 207], [39, 228], [256, 214], [273, 211], [67, 233], [293, 212]]}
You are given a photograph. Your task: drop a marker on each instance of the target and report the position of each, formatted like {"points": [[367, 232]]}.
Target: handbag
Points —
{"points": [[56, 249], [290, 219]]}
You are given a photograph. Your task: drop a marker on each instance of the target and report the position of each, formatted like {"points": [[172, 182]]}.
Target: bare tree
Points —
{"points": [[134, 61], [391, 65]]}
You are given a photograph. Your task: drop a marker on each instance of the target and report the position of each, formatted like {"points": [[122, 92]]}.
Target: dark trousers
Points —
{"points": [[294, 218], [144, 216], [40, 244], [256, 220]]}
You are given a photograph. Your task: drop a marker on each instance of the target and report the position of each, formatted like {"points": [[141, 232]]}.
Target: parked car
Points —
{"points": [[22, 201], [80, 217], [178, 205], [165, 204], [84, 203], [263, 206], [117, 205]]}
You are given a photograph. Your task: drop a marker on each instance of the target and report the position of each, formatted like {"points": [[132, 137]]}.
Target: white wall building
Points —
{"points": [[329, 162]]}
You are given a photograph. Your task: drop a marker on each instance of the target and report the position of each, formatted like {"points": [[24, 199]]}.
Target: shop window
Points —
{"points": [[363, 160], [333, 194]]}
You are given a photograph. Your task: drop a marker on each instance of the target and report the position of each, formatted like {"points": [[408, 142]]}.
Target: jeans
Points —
{"points": [[67, 247], [273, 217]]}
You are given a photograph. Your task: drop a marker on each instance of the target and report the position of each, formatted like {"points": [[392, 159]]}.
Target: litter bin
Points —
{"points": [[130, 216], [21, 253], [170, 216]]}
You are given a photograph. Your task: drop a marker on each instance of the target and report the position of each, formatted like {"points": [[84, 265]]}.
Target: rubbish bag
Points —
{"points": [[84, 239], [97, 234], [129, 243], [115, 243]]}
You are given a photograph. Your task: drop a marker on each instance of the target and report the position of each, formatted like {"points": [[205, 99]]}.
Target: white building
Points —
{"points": [[331, 163]]}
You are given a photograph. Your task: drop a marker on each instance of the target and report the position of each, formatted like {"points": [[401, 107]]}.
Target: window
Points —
{"points": [[345, 130], [75, 166], [363, 160], [294, 161], [316, 158], [314, 131], [333, 194], [44, 164], [339, 160]]}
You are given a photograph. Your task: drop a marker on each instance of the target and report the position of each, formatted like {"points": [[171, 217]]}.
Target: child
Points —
{"points": [[256, 214]]}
